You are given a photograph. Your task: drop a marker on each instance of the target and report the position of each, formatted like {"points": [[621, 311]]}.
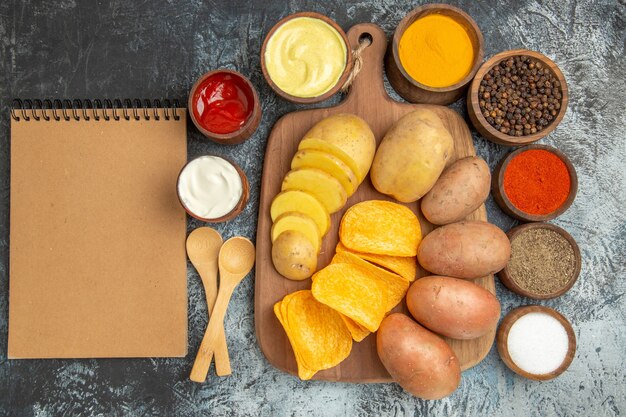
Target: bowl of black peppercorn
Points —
{"points": [[517, 97]]}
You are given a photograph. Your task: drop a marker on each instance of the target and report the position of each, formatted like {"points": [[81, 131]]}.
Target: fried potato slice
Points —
{"points": [[394, 285], [304, 373], [353, 291], [405, 266], [318, 335], [357, 331], [380, 227]]}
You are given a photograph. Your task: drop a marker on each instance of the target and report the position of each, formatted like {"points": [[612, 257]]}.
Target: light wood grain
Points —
{"points": [[203, 248], [236, 259], [369, 100]]}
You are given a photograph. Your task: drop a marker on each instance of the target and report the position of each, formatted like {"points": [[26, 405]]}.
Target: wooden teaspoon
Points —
{"points": [[236, 259], [203, 246]]}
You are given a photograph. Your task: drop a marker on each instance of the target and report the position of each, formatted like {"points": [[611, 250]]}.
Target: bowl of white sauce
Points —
{"points": [[212, 189]]}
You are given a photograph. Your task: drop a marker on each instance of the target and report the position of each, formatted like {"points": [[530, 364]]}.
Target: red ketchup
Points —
{"points": [[222, 103]]}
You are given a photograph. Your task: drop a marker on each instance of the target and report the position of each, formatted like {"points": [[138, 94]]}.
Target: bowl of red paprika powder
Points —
{"points": [[534, 183], [224, 106]]}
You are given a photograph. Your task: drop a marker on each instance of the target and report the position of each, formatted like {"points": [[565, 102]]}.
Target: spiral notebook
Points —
{"points": [[97, 256]]}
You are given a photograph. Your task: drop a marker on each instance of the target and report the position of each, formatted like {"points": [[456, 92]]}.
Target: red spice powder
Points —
{"points": [[537, 182]]}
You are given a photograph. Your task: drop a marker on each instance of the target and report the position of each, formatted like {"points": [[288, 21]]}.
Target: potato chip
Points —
{"points": [[318, 335], [357, 331], [303, 372], [380, 227], [280, 310], [405, 266], [353, 291], [323, 339], [394, 285]]}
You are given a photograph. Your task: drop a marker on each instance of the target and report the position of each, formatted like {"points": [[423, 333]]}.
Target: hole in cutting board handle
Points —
{"points": [[366, 38]]}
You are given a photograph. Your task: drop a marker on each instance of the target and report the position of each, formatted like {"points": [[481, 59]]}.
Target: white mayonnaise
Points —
{"points": [[210, 187]]}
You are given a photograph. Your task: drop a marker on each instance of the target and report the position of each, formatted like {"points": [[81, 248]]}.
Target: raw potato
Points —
{"points": [[453, 307], [309, 158], [460, 190], [302, 202], [322, 145], [294, 255], [470, 249], [326, 188], [417, 359], [299, 222], [411, 156], [352, 135]]}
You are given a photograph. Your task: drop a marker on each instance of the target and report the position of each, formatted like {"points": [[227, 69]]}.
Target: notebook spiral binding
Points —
{"points": [[116, 109]]}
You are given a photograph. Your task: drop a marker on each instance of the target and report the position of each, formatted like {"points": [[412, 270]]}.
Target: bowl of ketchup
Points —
{"points": [[224, 106]]}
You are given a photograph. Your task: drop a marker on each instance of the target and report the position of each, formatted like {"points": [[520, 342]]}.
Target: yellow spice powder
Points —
{"points": [[436, 51]]}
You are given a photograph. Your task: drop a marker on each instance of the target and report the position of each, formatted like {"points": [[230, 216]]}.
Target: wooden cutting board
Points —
{"points": [[369, 100]]}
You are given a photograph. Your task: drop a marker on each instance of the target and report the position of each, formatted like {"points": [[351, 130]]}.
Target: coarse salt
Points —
{"points": [[537, 343]]}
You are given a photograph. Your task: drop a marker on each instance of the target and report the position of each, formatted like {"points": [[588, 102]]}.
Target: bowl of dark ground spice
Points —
{"points": [[534, 183], [517, 97], [545, 261]]}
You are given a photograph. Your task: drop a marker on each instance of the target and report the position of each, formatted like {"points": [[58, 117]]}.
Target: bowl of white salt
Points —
{"points": [[536, 342]]}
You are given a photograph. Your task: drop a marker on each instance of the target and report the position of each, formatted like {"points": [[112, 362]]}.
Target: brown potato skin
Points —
{"points": [[417, 359], [458, 192], [468, 249], [453, 307], [411, 156], [294, 256]]}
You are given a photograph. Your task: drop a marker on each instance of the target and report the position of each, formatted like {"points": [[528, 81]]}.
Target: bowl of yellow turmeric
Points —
{"points": [[434, 54]]}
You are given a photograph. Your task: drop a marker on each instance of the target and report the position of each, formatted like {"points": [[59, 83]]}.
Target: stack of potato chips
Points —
{"points": [[368, 276]]}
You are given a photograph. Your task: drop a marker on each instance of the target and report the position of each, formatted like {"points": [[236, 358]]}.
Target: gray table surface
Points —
{"points": [[85, 49]]}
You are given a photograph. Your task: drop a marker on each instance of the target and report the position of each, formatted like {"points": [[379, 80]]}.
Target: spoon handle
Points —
{"points": [[208, 274], [209, 341]]}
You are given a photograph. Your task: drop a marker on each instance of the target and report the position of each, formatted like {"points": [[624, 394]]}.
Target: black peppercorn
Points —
{"points": [[519, 96]]}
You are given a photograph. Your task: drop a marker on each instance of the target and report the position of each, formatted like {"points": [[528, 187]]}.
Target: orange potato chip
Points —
{"points": [[394, 285], [357, 331], [318, 335], [380, 227], [322, 337], [304, 373], [280, 310], [405, 266], [280, 307], [353, 291]]}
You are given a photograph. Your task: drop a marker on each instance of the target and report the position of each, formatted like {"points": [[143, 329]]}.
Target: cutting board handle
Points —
{"points": [[368, 85]]}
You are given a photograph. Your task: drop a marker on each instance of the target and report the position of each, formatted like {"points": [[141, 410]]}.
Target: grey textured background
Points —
{"points": [[156, 49]]}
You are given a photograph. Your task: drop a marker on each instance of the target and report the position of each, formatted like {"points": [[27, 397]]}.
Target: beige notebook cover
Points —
{"points": [[97, 256]]}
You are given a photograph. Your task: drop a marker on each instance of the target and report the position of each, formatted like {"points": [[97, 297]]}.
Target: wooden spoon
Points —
{"points": [[236, 259], [203, 246]]}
